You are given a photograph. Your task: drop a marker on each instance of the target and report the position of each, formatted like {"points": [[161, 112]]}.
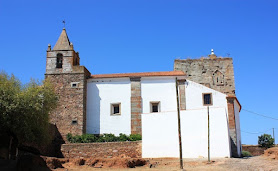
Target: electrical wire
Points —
{"points": [[260, 114]]}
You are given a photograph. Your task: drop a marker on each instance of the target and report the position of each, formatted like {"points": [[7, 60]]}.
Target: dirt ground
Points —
{"points": [[252, 163]]}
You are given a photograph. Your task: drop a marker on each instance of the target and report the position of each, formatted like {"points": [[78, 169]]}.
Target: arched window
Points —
{"points": [[59, 62]]}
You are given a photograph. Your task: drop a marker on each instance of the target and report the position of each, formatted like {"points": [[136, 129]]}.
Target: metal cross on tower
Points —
{"points": [[64, 22]]}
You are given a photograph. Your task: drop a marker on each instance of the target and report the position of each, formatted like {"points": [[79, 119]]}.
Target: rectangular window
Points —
{"points": [[74, 122], [155, 107], [207, 99], [116, 109], [74, 84]]}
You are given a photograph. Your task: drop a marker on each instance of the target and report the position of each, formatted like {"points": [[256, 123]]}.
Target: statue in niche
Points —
{"points": [[218, 78]]}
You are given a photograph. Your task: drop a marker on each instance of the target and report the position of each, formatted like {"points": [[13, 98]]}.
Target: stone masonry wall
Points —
{"points": [[182, 92], [136, 105], [255, 150], [69, 115], [216, 73], [232, 126], [128, 149]]}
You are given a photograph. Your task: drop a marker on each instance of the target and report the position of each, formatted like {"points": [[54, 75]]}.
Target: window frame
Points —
{"points": [[211, 99], [158, 106], [112, 109]]}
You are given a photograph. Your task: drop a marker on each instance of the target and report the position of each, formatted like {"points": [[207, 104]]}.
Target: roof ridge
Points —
{"points": [[140, 74]]}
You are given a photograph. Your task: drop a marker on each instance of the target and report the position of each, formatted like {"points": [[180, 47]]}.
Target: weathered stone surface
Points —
{"points": [[232, 126], [70, 114], [181, 84], [255, 150], [129, 149], [216, 73], [136, 105]]}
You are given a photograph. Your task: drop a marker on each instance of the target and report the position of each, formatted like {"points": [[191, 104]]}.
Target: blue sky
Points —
{"points": [[147, 35]]}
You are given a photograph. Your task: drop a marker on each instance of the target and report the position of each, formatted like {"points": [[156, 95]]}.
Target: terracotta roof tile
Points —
{"points": [[140, 74]]}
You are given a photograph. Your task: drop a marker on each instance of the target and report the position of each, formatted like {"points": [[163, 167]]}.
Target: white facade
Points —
{"points": [[159, 89], [160, 130], [194, 98], [101, 93]]}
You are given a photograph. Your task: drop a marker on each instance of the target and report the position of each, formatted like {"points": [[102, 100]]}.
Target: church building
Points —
{"points": [[146, 103]]}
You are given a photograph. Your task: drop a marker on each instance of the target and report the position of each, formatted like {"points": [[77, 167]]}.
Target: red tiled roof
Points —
{"points": [[140, 74]]}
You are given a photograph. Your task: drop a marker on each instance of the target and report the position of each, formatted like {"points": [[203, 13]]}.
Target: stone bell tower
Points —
{"points": [[70, 82]]}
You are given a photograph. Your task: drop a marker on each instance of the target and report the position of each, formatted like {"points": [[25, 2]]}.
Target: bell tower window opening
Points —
{"points": [[59, 62]]}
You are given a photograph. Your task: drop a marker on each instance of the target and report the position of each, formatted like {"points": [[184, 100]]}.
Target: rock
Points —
{"points": [[53, 163], [272, 153], [131, 163]]}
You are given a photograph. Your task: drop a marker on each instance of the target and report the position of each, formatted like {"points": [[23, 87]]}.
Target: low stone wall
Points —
{"points": [[128, 149], [255, 150]]}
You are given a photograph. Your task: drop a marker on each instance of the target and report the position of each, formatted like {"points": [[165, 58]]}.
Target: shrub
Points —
{"points": [[89, 138], [265, 140], [109, 138], [69, 137], [135, 137], [246, 154], [123, 137]]}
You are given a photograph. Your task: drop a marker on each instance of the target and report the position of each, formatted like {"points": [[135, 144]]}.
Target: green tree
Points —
{"points": [[24, 109], [265, 140]]}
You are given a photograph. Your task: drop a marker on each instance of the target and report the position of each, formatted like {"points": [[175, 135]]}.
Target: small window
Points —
{"points": [[74, 84], [74, 122], [59, 62], [116, 109], [207, 99], [155, 107]]}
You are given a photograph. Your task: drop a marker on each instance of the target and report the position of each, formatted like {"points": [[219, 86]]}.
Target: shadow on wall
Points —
{"points": [[93, 110], [52, 149], [234, 148]]}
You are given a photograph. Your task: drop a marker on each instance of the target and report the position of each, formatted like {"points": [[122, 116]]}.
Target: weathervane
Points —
{"points": [[64, 22]]}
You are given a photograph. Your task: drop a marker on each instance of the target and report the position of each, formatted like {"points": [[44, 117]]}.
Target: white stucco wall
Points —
{"points": [[159, 130], [162, 89], [237, 110], [160, 134], [100, 94], [194, 96]]}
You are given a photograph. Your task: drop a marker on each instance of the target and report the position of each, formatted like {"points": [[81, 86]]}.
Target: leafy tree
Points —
{"points": [[24, 108], [265, 140]]}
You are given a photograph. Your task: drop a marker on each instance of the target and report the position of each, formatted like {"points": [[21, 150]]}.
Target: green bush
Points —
{"points": [[123, 137], [246, 154], [110, 138], [89, 138], [135, 137], [265, 140]]}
